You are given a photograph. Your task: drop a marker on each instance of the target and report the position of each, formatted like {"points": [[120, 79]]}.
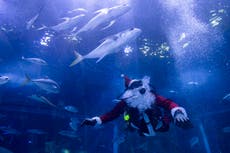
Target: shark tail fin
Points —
{"points": [[27, 80], [78, 59]]}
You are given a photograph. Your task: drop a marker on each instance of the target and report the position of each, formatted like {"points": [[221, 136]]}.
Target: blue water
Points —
{"points": [[184, 48]]}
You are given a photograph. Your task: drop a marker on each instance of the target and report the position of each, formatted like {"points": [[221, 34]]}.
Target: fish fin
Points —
{"points": [[100, 58], [42, 27], [74, 29], [66, 18], [109, 25], [78, 9], [105, 10], [111, 37], [78, 59], [27, 80]]}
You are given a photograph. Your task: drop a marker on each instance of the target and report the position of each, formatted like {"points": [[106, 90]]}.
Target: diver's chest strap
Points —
{"points": [[149, 126]]}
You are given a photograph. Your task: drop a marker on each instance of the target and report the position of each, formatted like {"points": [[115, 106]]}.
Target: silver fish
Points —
{"points": [[193, 83], [71, 109], [36, 131], [38, 61], [226, 98], [30, 23], [45, 84], [105, 15], [3, 79], [41, 99], [71, 134], [69, 23], [78, 9], [110, 45]]}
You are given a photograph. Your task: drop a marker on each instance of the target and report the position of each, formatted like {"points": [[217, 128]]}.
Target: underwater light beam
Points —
{"points": [[186, 29]]}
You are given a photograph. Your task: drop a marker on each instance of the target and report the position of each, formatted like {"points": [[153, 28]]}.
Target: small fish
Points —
{"points": [[38, 61], [185, 44], [3, 79], [41, 99], [172, 91], [70, 134], [193, 83], [78, 9], [71, 109], [30, 23], [36, 131], [48, 85], [182, 36], [226, 129], [6, 29], [110, 45], [226, 98]]}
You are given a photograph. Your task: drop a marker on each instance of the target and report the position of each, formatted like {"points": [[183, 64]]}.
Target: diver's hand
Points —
{"points": [[181, 120], [88, 121]]}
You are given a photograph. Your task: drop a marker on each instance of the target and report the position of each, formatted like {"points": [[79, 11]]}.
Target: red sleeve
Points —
{"points": [[165, 103], [114, 113]]}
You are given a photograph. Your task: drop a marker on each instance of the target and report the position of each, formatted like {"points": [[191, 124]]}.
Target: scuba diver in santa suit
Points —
{"points": [[144, 110]]}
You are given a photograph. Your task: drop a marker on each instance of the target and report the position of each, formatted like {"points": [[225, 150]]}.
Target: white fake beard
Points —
{"points": [[141, 102]]}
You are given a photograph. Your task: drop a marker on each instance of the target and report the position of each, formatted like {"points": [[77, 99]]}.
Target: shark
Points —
{"points": [[105, 15], [111, 44], [68, 23]]}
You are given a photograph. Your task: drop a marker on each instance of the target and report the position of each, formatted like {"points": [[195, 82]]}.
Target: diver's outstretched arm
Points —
{"points": [[109, 116], [178, 113]]}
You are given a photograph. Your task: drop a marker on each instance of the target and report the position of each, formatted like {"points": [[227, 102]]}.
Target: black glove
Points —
{"points": [[181, 120], [89, 121]]}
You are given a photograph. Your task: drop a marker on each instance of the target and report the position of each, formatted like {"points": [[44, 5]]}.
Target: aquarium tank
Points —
{"points": [[114, 76]]}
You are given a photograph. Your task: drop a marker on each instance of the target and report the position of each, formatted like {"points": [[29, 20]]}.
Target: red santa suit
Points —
{"points": [[152, 117]]}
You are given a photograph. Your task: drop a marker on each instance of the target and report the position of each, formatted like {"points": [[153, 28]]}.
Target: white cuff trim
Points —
{"points": [[98, 120], [178, 108]]}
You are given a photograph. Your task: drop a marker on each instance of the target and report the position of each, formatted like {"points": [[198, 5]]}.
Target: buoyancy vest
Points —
{"points": [[147, 122]]}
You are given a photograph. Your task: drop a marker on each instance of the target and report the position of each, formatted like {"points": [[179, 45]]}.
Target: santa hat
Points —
{"points": [[127, 80]]}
